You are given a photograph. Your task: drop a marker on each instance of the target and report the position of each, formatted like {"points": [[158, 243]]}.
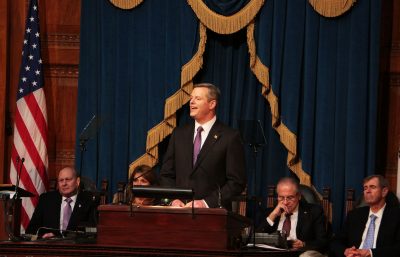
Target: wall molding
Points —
{"points": [[61, 71], [394, 79], [395, 48], [62, 40], [65, 156]]}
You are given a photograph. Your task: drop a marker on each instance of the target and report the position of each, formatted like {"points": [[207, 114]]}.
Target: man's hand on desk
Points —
{"points": [[297, 244], [177, 203], [48, 235], [197, 204]]}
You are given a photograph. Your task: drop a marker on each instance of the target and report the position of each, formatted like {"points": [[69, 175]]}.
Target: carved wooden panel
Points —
{"points": [[388, 126], [60, 34], [3, 79]]}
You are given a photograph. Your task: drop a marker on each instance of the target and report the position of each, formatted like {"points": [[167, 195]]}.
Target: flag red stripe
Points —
{"points": [[37, 114], [30, 133], [30, 147], [24, 218]]}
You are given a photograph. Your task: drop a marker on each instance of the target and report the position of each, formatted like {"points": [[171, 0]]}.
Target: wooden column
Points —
{"points": [[3, 80]]}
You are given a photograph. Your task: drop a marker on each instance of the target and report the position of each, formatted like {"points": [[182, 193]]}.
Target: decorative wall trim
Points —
{"points": [[65, 40], [394, 79], [65, 155], [331, 8], [126, 4], [61, 71]]}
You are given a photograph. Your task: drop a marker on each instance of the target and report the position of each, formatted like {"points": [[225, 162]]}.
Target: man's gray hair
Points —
{"points": [[288, 180], [213, 91], [382, 180]]}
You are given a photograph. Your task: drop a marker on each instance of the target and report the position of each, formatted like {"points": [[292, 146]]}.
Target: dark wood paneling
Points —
{"points": [[388, 127], [68, 248], [61, 28], [3, 80], [59, 25], [16, 11]]}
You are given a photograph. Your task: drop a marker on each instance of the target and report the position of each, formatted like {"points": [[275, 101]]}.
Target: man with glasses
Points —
{"points": [[372, 230], [65, 209], [302, 223]]}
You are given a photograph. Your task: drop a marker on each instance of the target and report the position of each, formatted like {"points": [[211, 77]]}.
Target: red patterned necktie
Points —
{"points": [[286, 225]]}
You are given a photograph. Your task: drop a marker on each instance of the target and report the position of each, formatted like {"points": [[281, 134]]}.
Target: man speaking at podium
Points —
{"points": [[65, 209], [205, 155]]}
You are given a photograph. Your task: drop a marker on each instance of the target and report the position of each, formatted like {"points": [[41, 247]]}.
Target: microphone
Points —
{"points": [[219, 197], [16, 196]]}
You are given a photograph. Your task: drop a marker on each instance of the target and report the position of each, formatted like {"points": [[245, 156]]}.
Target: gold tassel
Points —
{"points": [[145, 159], [287, 137], [225, 24], [331, 8], [173, 103], [126, 4], [190, 69]]}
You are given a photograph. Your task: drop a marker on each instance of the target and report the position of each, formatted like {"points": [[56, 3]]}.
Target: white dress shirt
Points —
{"points": [[293, 223], [206, 129]]}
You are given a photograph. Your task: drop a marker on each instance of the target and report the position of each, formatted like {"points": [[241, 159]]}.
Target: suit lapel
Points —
{"points": [[385, 225], [58, 211], [214, 135], [188, 146], [76, 211], [362, 220], [301, 219]]}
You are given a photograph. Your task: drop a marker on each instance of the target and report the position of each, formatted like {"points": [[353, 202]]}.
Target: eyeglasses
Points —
{"points": [[289, 198]]}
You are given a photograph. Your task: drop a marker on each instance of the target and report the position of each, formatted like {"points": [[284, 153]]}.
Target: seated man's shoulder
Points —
{"points": [[88, 196], [50, 195]]}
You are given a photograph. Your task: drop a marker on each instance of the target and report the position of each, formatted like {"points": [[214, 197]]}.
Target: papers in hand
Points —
{"points": [[264, 246]]}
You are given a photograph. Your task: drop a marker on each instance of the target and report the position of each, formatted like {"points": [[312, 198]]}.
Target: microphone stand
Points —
{"points": [[253, 134], [12, 209], [16, 196], [87, 132], [82, 146], [255, 199]]}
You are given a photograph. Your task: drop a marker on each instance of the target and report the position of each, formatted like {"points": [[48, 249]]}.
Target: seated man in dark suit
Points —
{"points": [[65, 209], [302, 223], [372, 230]]}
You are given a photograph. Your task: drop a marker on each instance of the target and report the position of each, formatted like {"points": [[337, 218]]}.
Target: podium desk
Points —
{"points": [[64, 249], [169, 227], [10, 216]]}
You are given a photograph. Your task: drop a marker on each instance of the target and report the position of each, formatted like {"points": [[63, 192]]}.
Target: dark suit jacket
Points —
{"points": [[47, 212], [310, 226], [388, 240], [220, 164]]}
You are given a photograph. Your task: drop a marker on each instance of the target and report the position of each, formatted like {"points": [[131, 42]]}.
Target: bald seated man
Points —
{"points": [[65, 209]]}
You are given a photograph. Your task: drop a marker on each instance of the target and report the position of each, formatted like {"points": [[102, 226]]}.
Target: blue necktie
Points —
{"points": [[369, 239]]}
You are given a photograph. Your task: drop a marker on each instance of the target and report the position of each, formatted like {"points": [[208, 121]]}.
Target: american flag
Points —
{"points": [[30, 128]]}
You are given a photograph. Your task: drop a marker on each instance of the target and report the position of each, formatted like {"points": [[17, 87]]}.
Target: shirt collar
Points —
{"points": [[379, 213], [73, 198], [206, 126]]}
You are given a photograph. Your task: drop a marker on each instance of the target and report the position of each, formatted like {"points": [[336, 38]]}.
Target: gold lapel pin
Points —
{"points": [[215, 137]]}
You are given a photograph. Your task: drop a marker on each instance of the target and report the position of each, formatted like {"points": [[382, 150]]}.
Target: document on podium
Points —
{"points": [[265, 246]]}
